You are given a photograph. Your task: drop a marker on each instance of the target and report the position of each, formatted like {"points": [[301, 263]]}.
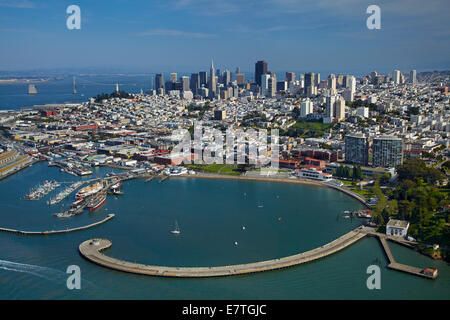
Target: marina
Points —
{"points": [[42, 190], [263, 238]]}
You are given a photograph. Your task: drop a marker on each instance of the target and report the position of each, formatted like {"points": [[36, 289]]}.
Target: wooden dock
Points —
{"points": [[91, 250], [393, 264], [50, 232]]}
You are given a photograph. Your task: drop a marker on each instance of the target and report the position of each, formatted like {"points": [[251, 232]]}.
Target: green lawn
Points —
{"points": [[215, 168]]}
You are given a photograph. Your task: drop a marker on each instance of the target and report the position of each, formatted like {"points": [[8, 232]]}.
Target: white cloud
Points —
{"points": [[175, 33]]}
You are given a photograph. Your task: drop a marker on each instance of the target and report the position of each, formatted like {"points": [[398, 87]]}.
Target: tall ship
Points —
{"points": [[32, 89], [89, 190], [97, 202]]}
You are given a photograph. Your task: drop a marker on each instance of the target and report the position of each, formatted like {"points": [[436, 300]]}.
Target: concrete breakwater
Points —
{"points": [[109, 217], [91, 250]]}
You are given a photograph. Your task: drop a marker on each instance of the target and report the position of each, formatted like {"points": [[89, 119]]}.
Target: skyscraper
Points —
{"points": [[309, 79], [159, 81], [265, 84], [226, 77], [212, 81], [396, 75], [240, 79], [413, 76], [185, 85], [260, 69], [195, 82], [203, 78], [173, 77], [290, 77], [356, 149], [272, 85], [387, 151]]}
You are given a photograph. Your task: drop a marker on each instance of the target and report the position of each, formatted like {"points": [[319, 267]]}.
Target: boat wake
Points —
{"points": [[49, 274], [42, 272]]}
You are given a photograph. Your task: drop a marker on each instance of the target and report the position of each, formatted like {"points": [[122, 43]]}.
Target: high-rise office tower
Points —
{"points": [[240, 79], [173, 77], [265, 84], [413, 76], [290, 77], [272, 85], [357, 149], [396, 76], [226, 77], [195, 82], [260, 69], [238, 70], [317, 80], [387, 151], [309, 79], [212, 81], [159, 81], [203, 78]]}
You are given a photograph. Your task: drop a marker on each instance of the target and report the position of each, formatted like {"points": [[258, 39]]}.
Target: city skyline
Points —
{"points": [[182, 35]]}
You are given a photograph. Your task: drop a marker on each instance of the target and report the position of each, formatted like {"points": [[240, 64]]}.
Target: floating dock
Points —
{"points": [[31, 233]]}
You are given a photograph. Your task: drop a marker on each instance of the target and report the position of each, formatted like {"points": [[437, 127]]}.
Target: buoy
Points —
{"points": [[279, 219], [243, 227], [235, 243]]}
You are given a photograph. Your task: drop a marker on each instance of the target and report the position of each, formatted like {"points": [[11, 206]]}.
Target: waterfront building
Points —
{"points": [[397, 228], [357, 149], [387, 151]]}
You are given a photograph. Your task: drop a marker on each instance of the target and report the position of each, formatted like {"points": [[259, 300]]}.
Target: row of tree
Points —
{"points": [[347, 173]]}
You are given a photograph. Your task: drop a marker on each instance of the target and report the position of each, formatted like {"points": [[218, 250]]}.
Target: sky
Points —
{"points": [[184, 35]]}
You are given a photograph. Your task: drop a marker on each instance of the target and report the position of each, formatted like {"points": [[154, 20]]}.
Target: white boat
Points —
{"points": [[177, 229]]}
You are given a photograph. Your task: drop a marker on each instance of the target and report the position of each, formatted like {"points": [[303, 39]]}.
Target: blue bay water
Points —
{"points": [[15, 96], [210, 214]]}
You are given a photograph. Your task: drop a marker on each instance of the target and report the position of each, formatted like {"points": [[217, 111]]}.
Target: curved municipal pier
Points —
{"points": [[91, 250]]}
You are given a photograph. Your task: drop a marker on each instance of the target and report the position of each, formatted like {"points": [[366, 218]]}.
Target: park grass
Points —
{"points": [[215, 168]]}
